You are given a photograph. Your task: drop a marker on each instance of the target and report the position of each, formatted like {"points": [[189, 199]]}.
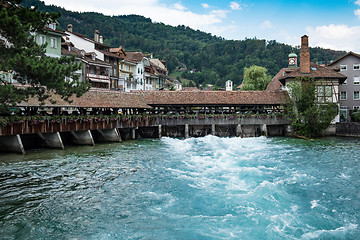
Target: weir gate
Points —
{"points": [[108, 116]]}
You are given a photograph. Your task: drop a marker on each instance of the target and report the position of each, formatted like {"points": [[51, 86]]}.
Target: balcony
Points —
{"points": [[98, 78]]}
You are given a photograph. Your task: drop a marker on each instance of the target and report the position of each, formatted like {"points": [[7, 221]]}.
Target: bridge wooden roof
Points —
{"points": [[217, 98], [95, 98], [148, 99]]}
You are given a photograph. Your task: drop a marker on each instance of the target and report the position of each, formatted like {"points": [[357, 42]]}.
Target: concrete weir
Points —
{"points": [[51, 140], [82, 138], [12, 144], [57, 137], [106, 135]]}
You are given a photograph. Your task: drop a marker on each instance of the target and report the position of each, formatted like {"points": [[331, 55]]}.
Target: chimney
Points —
{"points": [[101, 40], [96, 36], [70, 27], [304, 55]]}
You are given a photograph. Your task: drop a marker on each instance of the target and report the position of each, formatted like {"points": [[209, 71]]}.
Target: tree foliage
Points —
{"points": [[255, 78], [308, 117], [26, 60]]}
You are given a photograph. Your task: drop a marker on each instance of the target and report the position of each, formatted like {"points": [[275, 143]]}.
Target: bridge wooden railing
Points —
{"points": [[47, 124]]}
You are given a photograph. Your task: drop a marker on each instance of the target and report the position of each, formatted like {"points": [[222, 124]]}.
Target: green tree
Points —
{"points": [[255, 78], [20, 55], [308, 116]]}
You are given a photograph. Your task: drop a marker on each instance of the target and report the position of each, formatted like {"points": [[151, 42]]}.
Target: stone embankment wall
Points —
{"points": [[348, 129]]}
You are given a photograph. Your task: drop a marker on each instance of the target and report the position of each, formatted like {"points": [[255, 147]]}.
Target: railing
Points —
{"points": [[100, 77]]}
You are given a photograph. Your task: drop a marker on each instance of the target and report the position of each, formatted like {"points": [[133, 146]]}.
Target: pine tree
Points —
{"points": [[26, 60]]}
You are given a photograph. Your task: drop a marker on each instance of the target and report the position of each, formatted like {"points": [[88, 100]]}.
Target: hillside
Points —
{"points": [[214, 58]]}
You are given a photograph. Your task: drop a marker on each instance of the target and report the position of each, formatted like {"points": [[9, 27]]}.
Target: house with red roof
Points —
{"points": [[327, 80]]}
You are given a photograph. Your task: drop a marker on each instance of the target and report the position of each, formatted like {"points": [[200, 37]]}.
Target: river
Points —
{"points": [[198, 188]]}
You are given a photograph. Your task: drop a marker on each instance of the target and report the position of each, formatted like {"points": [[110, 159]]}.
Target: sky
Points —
{"points": [[333, 24]]}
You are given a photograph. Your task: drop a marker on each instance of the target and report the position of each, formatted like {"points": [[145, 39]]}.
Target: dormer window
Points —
{"points": [[52, 26]]}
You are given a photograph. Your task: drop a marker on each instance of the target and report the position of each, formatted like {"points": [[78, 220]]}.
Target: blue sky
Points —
{"points": [[329, 24]]}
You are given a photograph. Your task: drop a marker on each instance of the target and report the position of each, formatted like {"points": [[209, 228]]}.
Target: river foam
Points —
{"points": [[196, 188]]}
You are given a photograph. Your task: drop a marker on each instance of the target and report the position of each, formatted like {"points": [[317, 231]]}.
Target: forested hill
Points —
{"points": [[214, 58]]}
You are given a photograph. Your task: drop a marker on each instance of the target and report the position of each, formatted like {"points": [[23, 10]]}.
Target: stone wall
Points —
{"points": [[351, 129]]}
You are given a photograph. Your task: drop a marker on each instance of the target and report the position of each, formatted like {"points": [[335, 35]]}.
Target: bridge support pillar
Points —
{"points": [[133, 133], [108, 135], [186, 130], [160, 132], [82, 137], [12, 144], [213, 129], [52, 140], [239, 132], [263, 130]]}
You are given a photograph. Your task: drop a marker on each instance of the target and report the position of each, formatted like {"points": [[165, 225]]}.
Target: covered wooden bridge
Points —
{"points": [[112, 116]]}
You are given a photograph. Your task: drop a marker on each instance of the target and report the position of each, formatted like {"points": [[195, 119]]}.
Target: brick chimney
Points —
{"points": [[96, 36], [70, 27], [304, 55]]}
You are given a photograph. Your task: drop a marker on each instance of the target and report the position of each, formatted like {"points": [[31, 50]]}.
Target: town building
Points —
{"points": [[229, 85], [349, 65], [52, 37], [137, 82], [327, 81], [97, 70], [160, 71]]}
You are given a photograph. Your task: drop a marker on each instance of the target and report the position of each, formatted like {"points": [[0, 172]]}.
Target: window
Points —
{"points": [[345, 82], [356, 66], [356, 107], [52, 26], [53, 42], [342, 95], [42, 39], [356, 95], [356, 80], [324, 93], [343, 67]]}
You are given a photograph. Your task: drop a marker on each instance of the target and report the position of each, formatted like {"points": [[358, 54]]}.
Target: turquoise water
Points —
{"points": [[199, 188]]}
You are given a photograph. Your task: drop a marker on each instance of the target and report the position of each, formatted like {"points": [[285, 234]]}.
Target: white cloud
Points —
{"points": [[266, 24], [205, 5], [357, 12], [337, 37], [235, 6], [219, 13], [179, 7], [357, 2]]}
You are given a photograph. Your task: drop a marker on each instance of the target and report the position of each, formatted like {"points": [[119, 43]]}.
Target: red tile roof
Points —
{"points": [[317, 72], [96, 98], [214, 97], [134, 56], [275, 84]]}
